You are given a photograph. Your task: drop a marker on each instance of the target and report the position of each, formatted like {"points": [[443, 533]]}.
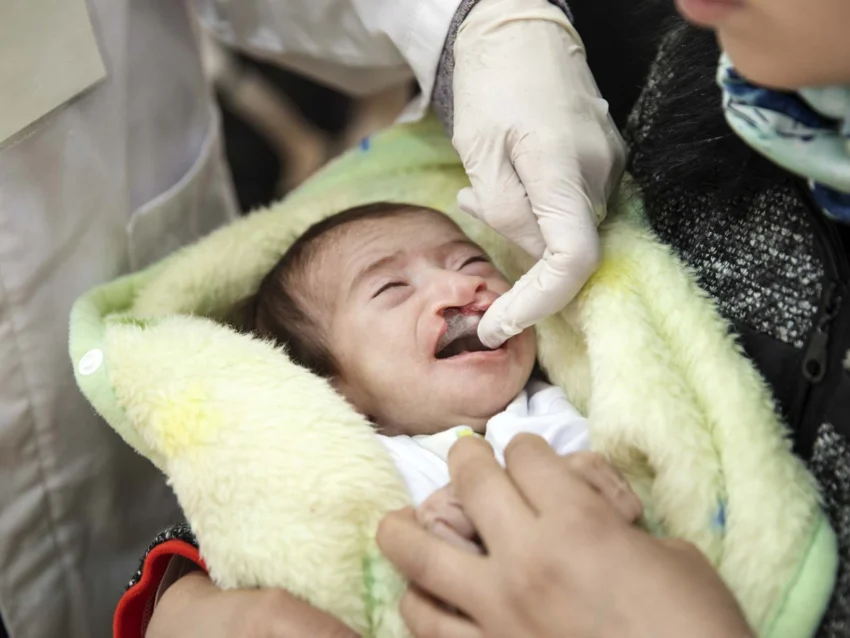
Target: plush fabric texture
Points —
{"points": [[284, 484]]}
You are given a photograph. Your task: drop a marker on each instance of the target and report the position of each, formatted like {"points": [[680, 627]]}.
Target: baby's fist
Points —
{"points": [[442, 515]]}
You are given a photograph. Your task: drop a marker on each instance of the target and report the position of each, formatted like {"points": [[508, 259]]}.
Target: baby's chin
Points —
{"points": [[464, 391], [482, 392], [478, 400], [491, 403], [472, 403]]}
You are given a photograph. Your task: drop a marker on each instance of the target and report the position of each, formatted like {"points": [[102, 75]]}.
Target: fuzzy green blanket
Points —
{"points": [[284, 484]]}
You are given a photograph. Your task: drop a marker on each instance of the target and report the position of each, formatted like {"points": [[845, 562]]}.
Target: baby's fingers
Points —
{"points": [[608, 481], [442, 515]]}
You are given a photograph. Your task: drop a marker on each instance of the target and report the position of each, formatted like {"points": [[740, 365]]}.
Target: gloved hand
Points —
{"points": [[540, 149]]}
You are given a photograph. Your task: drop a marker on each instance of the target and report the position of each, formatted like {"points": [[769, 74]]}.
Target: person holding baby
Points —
{"points": [[544, 546]]}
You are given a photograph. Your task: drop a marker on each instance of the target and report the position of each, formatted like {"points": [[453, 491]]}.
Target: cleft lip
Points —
{"points": [[460, 325], [453, 318], [476, 308]]}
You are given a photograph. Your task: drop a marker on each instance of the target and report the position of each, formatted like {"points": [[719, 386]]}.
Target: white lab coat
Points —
{"points": [[114, 175], [357, 46]]}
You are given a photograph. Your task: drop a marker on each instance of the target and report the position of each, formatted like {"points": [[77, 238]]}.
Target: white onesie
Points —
{"points": [[540, 409]]}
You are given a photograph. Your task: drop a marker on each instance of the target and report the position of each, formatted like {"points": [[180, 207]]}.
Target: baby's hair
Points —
{"points": [[277, 311]]}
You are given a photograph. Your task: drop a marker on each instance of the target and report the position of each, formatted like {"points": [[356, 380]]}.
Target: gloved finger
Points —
{"points": [[514, 221], [565, 196], [545, 289], [566, 208], [498, 197]]}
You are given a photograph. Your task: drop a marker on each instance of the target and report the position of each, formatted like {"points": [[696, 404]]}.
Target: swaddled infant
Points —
{"points": [[384, 300]]}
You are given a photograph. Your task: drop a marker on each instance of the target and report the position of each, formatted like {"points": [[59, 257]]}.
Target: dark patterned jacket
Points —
{"points": [[778, 270]]}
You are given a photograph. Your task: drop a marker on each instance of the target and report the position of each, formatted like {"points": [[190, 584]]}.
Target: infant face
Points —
{"points": [[404, 296]]}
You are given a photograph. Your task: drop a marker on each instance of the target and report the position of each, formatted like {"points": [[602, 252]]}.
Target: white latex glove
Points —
{"points": [[540, 149]]}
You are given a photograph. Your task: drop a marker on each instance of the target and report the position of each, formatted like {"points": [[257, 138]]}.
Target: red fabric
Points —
{"points": [[135, 607]]}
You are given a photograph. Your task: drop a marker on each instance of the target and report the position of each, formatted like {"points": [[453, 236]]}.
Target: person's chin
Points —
{"points": [[775, 70], [708, 13]]}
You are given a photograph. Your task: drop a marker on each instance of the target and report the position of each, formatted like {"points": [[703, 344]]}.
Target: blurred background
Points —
{"points": [[280, 127]]}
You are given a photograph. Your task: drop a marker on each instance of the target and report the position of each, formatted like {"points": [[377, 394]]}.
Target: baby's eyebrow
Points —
{"points": [[378, 264], [398, 256], [465, 243]]}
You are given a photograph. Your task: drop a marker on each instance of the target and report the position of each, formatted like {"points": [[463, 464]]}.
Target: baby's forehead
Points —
{"points": [[339, 255], [362, 239]]}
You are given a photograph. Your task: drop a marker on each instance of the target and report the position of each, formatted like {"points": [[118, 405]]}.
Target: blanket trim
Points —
{"points": [[135, 608]]}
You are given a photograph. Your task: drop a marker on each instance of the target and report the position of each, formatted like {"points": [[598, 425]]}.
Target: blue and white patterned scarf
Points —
{"points": [[806, 133]]}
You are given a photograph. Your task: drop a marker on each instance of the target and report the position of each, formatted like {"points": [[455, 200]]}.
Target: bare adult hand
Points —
{"points": [[443, 514], [194, 607], [563, 560]]}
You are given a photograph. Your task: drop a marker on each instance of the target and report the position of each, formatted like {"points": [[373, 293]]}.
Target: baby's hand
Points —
{"points": [[442, 515]]}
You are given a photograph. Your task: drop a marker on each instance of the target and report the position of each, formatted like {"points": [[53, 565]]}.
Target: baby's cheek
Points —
{"points": [[384, 361], [498, 285], [524, 347]]}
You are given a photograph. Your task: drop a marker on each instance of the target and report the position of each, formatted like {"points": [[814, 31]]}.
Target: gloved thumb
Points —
{"points": [[545, 289]]}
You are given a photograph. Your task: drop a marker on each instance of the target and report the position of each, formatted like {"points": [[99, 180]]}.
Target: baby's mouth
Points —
{"points": [[460, 337]]}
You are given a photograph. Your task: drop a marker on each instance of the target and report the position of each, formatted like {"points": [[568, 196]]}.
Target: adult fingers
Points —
{"points": [[455, 537], [427, 618], [542, 477], [608, 481], [486, 492], [449, 573]]}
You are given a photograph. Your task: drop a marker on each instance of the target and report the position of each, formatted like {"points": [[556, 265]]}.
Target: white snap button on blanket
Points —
{"points": [[90, 362]]}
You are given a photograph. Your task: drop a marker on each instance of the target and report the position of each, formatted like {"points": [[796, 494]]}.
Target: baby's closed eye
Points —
{"points": [[388, 286], [477, 259]]}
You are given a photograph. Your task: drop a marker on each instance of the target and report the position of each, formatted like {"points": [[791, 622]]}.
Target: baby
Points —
{"points": [[384, 301]]}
